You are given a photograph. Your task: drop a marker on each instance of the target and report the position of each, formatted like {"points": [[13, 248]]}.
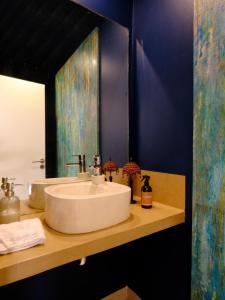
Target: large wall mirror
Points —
{"points": [[37, 39]]}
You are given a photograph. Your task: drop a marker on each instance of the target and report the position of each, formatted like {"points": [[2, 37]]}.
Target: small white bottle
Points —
{"points": [[9, 206]]}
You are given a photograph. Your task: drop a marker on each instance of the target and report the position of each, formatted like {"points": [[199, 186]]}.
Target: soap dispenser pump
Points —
{"points": [[97, 171], [9, 206], [146, 193], [3, 187]]}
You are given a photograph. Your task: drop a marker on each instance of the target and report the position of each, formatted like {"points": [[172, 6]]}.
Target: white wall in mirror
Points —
{"points": [[22, 131]]}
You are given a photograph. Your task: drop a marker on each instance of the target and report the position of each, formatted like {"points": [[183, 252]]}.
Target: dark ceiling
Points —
{"points": [[38, 36]]}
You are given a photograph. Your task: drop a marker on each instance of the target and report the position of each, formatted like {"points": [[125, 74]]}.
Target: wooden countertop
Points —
{"points": [[60, 248]]}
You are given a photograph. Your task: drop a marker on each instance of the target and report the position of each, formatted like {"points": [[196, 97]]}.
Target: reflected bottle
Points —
{"points": [[9, 206]]}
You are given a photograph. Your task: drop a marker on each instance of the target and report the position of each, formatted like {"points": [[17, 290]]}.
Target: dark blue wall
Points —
{"points": [[162, 117], [114, 102], [117, 10]]}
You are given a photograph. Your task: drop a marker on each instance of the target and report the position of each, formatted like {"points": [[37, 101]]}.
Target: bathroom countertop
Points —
{"points": [[61, 248]]}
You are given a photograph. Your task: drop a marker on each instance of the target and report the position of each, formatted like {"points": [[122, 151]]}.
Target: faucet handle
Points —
{"points": [[83, 163]]}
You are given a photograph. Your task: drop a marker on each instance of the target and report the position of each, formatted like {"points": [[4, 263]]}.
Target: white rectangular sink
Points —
{"points": [[85, 207]]}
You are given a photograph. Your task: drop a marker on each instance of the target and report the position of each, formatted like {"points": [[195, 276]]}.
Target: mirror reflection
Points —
{"points": [[37, 40]]}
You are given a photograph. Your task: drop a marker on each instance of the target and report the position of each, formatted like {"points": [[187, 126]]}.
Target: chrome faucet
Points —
{"points": [[81, 162]]}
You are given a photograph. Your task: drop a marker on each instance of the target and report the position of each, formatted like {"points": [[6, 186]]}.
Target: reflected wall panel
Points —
{"points": [[77, 104]]}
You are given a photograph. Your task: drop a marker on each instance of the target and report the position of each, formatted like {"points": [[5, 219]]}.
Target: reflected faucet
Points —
{"points": [[81, 162]]}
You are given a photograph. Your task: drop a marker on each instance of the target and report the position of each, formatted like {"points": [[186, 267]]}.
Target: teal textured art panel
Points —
{"points": [[208, 234], [77, 102]]}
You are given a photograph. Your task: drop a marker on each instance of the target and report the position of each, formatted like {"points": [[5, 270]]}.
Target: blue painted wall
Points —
{"points": [[114, 102], [162, 126], [164, 81]]}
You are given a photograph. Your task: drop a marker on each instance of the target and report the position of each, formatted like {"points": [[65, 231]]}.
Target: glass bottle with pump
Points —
{"points": [[10, 206], [146, 193]]}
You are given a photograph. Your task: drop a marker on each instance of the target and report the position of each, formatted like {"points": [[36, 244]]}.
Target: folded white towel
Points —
{"points": [[21, 235]]}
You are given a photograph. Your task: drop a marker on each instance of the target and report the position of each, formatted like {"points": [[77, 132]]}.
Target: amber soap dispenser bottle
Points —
{"points": [[146, 193]]}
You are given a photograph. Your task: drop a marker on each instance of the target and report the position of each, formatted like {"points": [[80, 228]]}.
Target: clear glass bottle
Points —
{"points": [[9, 206]]}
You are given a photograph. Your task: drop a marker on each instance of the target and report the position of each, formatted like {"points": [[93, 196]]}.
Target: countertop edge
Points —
{"points": [[49, 261]]}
